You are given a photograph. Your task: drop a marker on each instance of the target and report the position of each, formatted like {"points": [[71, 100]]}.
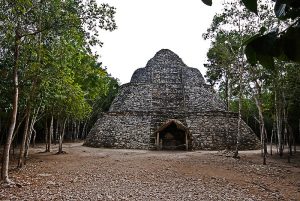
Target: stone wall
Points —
{"points": [[199, 98], [192, 77], [165, 58], [218, 130], [171, 88], [136, 130], [121, 130], [132, 97], [141, 75], [167, 97]]}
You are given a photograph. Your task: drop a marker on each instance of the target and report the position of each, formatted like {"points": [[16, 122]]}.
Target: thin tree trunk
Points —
{"points": [[295, 149], [262, 125], [266, 139], [74, 126], [2, 135], [77, 131], [276, 142], [32, 130], [294, 144], [241, 69], [46, 135], [17, 128], [5, 161], [278, 125], [271, 143], [290, 141], [0, 129], [227, 90], [56, 131], [287, 129], [25, 136], [286, 134], [236, 153], [50, 134], [61, 136], [16, 134], [83, 130], [34, 137], [264, 143]]}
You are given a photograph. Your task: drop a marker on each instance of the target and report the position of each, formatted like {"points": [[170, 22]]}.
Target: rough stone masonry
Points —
{"points": [[168, 106]]}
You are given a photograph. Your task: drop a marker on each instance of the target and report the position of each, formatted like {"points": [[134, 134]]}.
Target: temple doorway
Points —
{"points": [[172, 135]]}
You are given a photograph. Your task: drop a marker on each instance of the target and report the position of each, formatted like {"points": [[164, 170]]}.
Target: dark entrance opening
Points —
{"points": [[172, 136]]}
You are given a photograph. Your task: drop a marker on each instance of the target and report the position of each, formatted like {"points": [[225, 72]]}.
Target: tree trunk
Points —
{"points": [[264, 142], [46, 135], [0, 129], [278, 124], [77, 131], [290, 141], [227, 90], [236, 153], [266, 139], [25, 136], [50, 134], [31, 130], [61, 136], [34, 137], [295, 149], [262, 125], [271, 143], [74, 128], [241, 69], [5, 161], [1, 135], [83, 131], [17, 128], [56, 131]]}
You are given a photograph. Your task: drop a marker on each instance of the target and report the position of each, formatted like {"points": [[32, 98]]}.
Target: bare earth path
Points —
{"points": [[107, 174]]}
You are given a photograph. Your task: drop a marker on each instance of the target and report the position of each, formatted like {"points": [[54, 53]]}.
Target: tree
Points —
{"points": [[29, 23], [221, 66], [229, 42], [268, 85], [281, 42], [229, 30]]}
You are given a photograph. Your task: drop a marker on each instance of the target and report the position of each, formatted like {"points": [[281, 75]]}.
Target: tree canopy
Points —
{"points": [[49, 74], [268, 82], [281, 42]]}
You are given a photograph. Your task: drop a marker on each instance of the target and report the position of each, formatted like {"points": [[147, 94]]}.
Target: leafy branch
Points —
{"points": [[284, 45]]}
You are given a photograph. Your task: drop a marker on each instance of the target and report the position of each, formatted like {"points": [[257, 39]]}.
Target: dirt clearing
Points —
{"points": [[109, 174]]}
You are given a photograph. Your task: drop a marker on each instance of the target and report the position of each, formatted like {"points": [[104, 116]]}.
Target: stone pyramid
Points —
{"points": [[168, 106]]}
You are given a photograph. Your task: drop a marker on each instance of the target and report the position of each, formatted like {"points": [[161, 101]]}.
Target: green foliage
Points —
{"points": [[263, 48], [221, 58], [251, 5], [275, 82], [282, 44], [228, 31], [276, 44], [207, 2], [56, 68], [291, 89], [103, 101]]}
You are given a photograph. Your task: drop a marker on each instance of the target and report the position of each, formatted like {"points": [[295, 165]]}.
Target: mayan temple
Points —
{"points": [[167, 106]]}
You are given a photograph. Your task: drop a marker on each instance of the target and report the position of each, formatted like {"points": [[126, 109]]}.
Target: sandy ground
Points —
{"points": [[85, 173]]}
